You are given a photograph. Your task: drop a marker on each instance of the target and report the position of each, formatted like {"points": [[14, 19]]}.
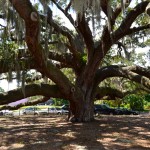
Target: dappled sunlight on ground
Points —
{"points": [[54, 133]]}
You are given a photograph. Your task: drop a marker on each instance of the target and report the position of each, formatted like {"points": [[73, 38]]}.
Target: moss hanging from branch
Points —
{"points": [[81, 6]]}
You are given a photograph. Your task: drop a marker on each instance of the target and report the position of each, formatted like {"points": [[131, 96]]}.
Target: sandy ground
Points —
{"points": [[54, 133]]}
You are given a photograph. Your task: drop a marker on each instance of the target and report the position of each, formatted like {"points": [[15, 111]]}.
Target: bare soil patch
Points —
{"points": [[54, 133]]}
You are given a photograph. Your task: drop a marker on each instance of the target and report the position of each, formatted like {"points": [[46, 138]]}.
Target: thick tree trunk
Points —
{"points": [[83, 112], [83, 109]]}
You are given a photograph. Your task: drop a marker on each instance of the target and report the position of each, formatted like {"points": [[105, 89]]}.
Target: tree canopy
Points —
{"points": [[74, 64]]}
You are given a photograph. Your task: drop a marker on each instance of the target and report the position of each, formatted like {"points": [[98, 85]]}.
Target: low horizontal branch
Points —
{"points": [[133, 73], [31, 90], [109, 92], [40, 100]]}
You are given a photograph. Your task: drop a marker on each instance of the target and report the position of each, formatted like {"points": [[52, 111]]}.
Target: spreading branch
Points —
{"points": [[31, 90], [124, 28], [32, 25], [63, 58], [85, 31], [60, 29], [135, 74], [31, 103], [137, 29], [109, 92], [118, 10], [65, 11], [75, 48], [68, 6]]}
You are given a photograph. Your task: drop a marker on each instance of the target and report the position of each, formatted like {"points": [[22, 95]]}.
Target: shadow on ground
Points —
{"points": [[54, 133]]}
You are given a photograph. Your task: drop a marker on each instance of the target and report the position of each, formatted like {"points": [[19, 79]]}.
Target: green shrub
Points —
{"points": [[60, 102], [147, 97], [147, 106], [136, 102]]}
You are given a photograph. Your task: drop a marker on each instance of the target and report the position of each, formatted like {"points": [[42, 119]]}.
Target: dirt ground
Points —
{"points": [[54, 133]]}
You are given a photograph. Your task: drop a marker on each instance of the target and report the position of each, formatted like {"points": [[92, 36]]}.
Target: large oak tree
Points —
{"points": [[99, 25]]}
